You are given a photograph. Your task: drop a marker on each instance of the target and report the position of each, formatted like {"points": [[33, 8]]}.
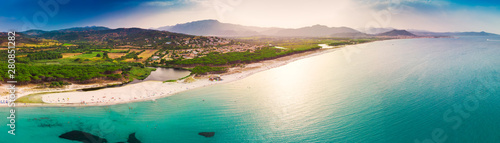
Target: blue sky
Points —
{"points": [[433, 15]]}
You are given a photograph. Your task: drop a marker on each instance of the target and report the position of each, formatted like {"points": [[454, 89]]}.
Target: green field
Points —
{"points": [[88, 56], [140, 73], [117, 51], [83, 59], [68, 44], [300, 47]]}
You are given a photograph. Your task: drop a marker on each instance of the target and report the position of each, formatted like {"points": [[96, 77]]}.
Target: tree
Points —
{"points": [[105, 55], [98, 55], [44, 55]]}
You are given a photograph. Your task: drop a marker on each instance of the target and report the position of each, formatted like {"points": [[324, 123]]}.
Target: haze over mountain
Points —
{"points": [[428, 33], [319, 31], [216, 28], [373, 30]]}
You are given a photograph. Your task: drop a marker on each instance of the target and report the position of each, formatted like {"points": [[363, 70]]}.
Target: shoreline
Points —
{"points": [[152, 90]]}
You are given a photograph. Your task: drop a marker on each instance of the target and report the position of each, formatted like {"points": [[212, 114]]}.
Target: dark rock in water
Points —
{"points": [[83, 137], [207, 134], [133, 139]]}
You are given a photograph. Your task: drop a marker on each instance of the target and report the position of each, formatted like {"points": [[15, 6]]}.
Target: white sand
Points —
{"points": [[151, 90]]}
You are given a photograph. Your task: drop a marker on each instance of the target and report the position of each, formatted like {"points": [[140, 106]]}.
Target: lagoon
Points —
{"points": [[164, 74]]}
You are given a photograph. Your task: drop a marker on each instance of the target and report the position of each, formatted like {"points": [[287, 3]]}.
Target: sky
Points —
{"points": [[430, 15]]}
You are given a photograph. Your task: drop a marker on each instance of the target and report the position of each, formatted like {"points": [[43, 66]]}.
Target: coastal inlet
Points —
{"points": [[164, 74]]}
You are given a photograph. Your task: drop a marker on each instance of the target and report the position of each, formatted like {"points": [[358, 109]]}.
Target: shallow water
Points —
{"points": [[386, 91], [164, 74]]}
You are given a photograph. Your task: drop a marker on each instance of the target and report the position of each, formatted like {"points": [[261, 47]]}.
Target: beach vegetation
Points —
{"points": [[201, 70], [173, 80]]}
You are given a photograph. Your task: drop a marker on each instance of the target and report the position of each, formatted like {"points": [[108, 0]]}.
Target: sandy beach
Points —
{"points": [[152, 90]]}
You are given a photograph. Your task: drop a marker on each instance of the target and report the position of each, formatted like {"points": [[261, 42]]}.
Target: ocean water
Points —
{"points": [[397, 91]]}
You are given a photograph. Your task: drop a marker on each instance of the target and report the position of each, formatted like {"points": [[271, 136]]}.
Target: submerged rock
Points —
{"points": [[207, 134], [83, 137], [133, 139]]}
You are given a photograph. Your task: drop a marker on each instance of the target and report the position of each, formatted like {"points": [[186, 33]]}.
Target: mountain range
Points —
{"points": [[35, 32], [96, 35], [427, 33], [397, 33], [378, 31], [216, 28]]}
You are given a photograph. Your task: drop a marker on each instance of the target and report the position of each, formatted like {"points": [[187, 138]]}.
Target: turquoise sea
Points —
{"points": [[393, 91]]}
